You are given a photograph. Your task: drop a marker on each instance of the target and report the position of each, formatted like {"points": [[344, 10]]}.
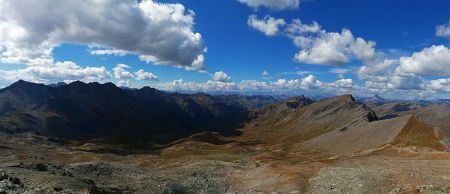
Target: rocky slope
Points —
{"points": [[336, 126], [432, 114]]}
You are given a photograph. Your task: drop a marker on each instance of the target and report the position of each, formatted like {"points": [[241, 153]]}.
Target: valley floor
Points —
{"points": [[35, 164]]}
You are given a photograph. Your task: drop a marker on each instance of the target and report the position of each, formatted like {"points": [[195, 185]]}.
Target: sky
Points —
{"points": [[396, 49]]}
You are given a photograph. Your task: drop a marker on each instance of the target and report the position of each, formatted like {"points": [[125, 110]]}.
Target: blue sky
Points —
{"points": [[402, 35]]}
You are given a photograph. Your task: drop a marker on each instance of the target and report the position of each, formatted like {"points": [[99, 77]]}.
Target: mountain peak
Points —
{"points": [[110, 84], [23, 85], [343, 98], [76, 83], [148, 89], [348, 97], [296, 101], [20, 83]]}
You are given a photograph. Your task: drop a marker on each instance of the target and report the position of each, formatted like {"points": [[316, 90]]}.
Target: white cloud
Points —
{"points": [[253, 85], [302, 73], [296, 27], [114, 52], [434, 60], [206, 86], [443, 30], [221, 76], [162, 33], [122, 82], [330, 48], [362, 49], [439, 85], [405, 73], [378, 86], [382, 76], [268, 25], [265, 73], [317, 46], [60, 71], [272, 4], [309, 83], [121, 71], [410, 82], [143, 75], [379, 69], [343, 83], [339, 70]]}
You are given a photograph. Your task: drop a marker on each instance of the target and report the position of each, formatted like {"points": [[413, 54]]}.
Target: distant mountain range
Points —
{"points": [[376, 99], [91, 110], [106, 113]]}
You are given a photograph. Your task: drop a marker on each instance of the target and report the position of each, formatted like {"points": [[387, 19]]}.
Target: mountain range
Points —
{"points": [[191, 143], [105, 112], [91, 110]]}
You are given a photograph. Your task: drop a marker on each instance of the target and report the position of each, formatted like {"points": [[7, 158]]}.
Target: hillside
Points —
{"points": [[432, 114]]}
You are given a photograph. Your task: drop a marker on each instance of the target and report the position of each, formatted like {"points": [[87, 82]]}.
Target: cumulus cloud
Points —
{"points": [[161, 33], [221, 76], [317, 46], [296, 27], [379, 69], [121, 71], [308, 83], [268, 25], [272, 4], [406, 72], [60, 71], [343, 83], [434, 60], [265, 73], [143, 75], [253, 85], [210, 85], [123, 82], [443, 30], [439, 85], [410, 82], [378, 86], [115, 52], [331, 48]]}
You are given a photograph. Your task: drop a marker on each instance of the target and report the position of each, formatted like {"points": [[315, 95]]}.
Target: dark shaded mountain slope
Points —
{"points": [[91, 110]]}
